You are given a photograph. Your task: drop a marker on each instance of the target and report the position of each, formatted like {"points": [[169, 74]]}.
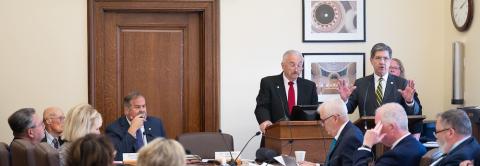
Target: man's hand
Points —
{"points": [[344, 90], [264, 125], [374, 136], [136, 123], [408, 92]]}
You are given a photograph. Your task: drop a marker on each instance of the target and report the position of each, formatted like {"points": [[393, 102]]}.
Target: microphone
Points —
{"points": [[285, 117], [244, 146], [365, 103], [231, 162]]}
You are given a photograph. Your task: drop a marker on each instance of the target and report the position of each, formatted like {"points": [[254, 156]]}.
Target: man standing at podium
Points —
{"points": [[278, 94], [370, 92]]}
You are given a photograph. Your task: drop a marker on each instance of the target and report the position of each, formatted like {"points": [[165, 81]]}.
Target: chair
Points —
{"points": [[46, 155], [4, 155], [430, 156], [22, 152], [205, 144]]}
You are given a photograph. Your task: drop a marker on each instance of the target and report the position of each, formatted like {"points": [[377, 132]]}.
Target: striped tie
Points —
{"points": [[378, 92]]}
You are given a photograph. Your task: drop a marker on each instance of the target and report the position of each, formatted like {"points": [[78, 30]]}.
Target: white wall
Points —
{"points": [[43, 53], [43, 56]]}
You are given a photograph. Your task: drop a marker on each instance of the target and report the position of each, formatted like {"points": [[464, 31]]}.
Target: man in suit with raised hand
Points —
{"points": [[135, 129], [454, 135], [279, 93], [391, 130], [370, 92], [347, 137]]}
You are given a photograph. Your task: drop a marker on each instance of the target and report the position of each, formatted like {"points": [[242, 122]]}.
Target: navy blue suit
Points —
{"points": [[364, 96], [467, 150], [272, 102], [407, 152], [126, 143], [348, 142]]}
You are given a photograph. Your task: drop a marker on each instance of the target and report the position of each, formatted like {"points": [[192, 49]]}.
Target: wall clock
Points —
{"points": [[462, 13]]}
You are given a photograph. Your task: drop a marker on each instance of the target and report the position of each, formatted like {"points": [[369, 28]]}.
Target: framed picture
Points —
{"points": [[326, 69], [333, 20]]}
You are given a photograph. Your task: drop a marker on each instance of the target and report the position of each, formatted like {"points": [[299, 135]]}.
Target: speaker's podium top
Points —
{"points": [[296, 130]]}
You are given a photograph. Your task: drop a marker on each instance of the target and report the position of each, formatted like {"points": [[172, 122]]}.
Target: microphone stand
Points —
{"points": [[234, 163]]}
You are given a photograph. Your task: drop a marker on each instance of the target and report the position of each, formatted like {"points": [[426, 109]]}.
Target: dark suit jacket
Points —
{"points": [[348, 142], [407, 152], [60, 141], [272, 101], [467, 150], [364, 96], [126, 143]]}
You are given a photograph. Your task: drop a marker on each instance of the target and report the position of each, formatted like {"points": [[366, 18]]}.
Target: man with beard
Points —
{"points": [[278, 94], [453, 132]]}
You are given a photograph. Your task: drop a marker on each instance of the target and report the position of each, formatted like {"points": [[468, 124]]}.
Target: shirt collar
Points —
{"points": [[458, 143], [340, 130], [48, 136], [376, 77], [398, 140], [285, 80]]}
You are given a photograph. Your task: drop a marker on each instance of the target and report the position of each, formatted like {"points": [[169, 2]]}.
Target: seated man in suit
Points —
{"points": [[133, 130], [25, 124], [453, 132], [348, 137], [54, 120], [279, 93], [391, 130]]}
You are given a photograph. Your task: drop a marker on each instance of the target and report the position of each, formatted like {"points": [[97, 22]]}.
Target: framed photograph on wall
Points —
{"points": [[326, 69], [333, 20]]}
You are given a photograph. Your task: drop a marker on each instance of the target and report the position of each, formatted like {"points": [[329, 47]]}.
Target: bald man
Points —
{"points": [[53, 118]]}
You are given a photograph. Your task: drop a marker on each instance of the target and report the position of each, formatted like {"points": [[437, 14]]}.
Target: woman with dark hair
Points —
{"points": [[93, 149]]}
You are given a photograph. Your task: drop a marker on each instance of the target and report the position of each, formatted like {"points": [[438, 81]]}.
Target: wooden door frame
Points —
{"points": [[209, 12]]}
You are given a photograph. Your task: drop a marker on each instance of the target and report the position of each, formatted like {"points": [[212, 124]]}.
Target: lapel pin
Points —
{"points": [[278, 87], [391, 83], [149, 129]]}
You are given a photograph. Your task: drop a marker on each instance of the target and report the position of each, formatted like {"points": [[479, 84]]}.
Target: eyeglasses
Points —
{"points": [[61, 118], [322, 121], [439, 131], [292, 65]]}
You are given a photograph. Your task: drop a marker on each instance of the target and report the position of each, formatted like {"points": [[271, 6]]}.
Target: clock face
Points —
{"points": [[462, 11]]}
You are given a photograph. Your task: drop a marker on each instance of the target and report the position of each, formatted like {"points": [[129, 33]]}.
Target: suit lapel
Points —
{"points": [[280, 89], [371, 95], [299, 90], [340, 138], [389, 90]]}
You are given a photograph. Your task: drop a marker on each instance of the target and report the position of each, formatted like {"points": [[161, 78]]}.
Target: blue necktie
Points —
{"points": [[332, 145], [139, 137]]}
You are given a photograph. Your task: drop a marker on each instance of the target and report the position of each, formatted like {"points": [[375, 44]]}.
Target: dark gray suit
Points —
{"points": [[364, 96], [272, 103]]}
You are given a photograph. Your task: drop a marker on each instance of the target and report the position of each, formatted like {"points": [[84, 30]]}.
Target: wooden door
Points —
{"points": [[166, 50]]}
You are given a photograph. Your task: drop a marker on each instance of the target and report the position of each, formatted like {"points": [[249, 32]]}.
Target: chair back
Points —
{"points": [[22, 152], [205, 144], [46, 155], [4, 154]]}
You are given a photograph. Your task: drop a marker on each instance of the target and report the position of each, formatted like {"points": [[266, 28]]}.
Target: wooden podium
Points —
{"points": [[308, 136], [369, 121]]}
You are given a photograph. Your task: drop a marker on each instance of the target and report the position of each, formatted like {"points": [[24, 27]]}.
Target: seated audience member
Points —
{"points": [[453, 132], [54, 119], [162, 152], [133, 130], [347, 136], [25, 124], [397, 69], [93, 149], [81, 120], [391, 130]]}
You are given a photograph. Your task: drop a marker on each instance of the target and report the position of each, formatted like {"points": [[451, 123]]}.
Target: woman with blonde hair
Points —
{"points": [[161, 152], [81, 120]]}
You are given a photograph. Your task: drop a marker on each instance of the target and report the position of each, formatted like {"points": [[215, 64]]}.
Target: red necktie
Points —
{"points": [[291, 97]]}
